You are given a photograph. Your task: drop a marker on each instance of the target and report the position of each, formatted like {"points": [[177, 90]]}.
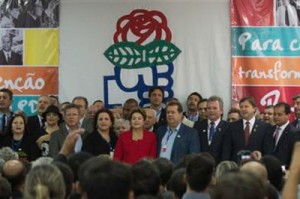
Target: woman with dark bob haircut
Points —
{"points": [[19, 140], [103, 138]]}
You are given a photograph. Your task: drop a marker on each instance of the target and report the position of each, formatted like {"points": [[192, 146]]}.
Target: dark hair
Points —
{"points": [[239, 185], [197, 94], [8, 130], [286, 106], [183, 162], [146, 179], [55, 97], [105, 179], [234, 110], [177, 182], [138, 110], [153, 88], [110, 114], [97, 101], [9, 92], [275, 173], [67, 175], [199, 172], [76, 160], [165, 168], [131, 101], [81, 98], [249, 99], [175, 103], [201, 101], [269, 106], [5, 188]]}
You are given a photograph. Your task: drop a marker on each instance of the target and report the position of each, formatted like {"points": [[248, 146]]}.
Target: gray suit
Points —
{"points": [[57, 139]]}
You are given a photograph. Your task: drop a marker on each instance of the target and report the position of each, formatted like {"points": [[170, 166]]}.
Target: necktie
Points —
{"points": [[3, 124], [287, 21], [276, 135], [247, 132], [212, 131]]}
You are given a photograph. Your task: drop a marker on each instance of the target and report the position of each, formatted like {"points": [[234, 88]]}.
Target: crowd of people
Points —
{"points": [[73, 150]]}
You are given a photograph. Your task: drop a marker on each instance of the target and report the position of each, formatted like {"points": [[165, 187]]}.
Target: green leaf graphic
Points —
{"points": [[131, 55], [125, 55], [161, 52]]}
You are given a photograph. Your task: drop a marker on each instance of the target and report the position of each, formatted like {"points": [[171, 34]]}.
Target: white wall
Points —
{"points": [[201, 29]]}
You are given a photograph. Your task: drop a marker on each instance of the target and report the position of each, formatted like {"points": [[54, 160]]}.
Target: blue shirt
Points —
{"points": [[167, 142]]}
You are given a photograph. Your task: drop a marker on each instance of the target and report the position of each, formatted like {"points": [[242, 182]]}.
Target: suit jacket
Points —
{"points": [[34, 127], [215, 148], [295, 123], [234, 139], [284, 149], [87, 124], [163, 117], [57, 139], [186, 142], [15, 59]]}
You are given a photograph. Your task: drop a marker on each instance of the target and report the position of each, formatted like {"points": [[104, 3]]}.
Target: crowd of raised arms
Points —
{"points": [[73, 150]]}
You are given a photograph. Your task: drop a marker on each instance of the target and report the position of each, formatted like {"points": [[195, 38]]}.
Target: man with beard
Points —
{"points": [[192, 101]]}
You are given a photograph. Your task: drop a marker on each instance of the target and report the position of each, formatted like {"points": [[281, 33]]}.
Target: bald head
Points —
{"points": [[15, 172], [257, 169], [12, 168]]}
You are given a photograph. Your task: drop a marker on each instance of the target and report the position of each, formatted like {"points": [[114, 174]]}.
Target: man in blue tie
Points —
{"points": [[211, 130]]}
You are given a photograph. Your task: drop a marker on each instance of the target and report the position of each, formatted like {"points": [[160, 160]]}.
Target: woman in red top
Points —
{"points": [[136, 143]]}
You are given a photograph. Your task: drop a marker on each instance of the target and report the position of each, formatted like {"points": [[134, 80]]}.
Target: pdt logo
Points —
{"points": [[142, 56]]}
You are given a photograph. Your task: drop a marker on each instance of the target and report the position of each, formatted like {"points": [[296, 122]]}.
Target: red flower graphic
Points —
{"points": [[142, 25]]}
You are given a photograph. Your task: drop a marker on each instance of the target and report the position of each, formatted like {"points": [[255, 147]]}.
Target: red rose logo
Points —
{"points": [[141, 26]]}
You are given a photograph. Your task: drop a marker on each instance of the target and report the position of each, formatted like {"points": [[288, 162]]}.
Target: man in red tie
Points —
{"points": [[248, 133]]}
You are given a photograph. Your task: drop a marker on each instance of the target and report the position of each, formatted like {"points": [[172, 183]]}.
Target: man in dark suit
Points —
{"points": [[175, 140], [246, 134], [6, 99], [156, 97], [7, 56], [36, 123], [284, 135], [211, 130]]}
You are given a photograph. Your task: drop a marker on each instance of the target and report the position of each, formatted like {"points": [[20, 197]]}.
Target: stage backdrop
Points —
{"points": [[265, 50], [116, 49]]}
